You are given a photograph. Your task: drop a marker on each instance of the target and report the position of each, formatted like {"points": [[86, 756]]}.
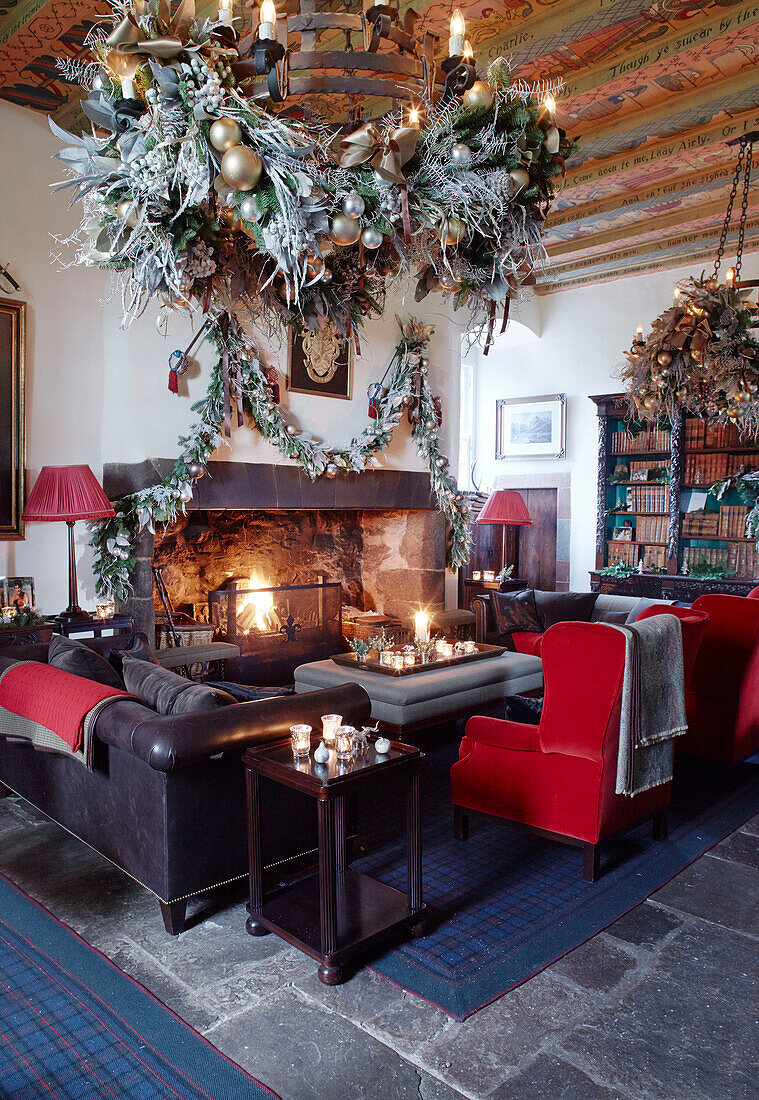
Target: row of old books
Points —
{"points": [[653, 439], [705, 469], [732, 521], [742, 557], [652, 528], [648, 498], [622, 552], [700, 434]]}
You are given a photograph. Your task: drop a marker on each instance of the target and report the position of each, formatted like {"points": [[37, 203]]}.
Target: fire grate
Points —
{"points": [[277, 628]]}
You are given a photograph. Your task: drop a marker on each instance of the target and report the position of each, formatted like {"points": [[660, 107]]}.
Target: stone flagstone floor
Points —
{"points": [[661, 1006]]}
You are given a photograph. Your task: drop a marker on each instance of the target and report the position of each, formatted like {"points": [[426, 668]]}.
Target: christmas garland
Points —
{"points": [[701, 356], [238, 368], [198, 195]]}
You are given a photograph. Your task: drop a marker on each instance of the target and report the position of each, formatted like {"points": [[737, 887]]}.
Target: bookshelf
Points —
{"points": [[653, 505]]}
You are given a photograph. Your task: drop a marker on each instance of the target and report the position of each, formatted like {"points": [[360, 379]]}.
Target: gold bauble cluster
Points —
{"points": [[241, 168]]}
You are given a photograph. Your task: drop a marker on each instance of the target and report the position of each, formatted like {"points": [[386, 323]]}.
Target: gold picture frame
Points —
{"points": [[12, 413], [320, 364]]}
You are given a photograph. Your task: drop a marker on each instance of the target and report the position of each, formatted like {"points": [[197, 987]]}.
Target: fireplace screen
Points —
{"points": [[278, 628]]}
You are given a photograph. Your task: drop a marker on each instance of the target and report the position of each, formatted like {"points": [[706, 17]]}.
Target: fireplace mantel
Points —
{"points": [[258, 485]]}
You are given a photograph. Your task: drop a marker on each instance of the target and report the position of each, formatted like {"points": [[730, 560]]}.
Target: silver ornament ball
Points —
{"points": [[461, 155], [330, 470], [249, 209], [291, 429], [353, 205], [327, 276], [430, 425], [195, 470], [371, 237], [424, 363], [448, 281]]}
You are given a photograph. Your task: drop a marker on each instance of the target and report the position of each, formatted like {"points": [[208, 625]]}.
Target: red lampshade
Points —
{"points": [[67, 493], [505, 507]]}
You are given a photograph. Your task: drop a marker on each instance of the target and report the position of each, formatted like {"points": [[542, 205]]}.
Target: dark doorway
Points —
{"points": [[537, 544]]}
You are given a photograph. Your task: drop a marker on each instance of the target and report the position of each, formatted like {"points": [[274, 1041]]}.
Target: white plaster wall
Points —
{"points": [[97, 393], [571, 342]]}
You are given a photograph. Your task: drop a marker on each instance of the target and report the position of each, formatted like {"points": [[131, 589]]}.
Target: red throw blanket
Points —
{"points": [[53, 698]]}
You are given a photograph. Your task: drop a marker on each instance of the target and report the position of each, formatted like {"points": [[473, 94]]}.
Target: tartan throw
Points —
{"points": [[18, 727], [653, 703]]}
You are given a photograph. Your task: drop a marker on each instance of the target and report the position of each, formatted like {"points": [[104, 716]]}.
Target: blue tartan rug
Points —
{"points": [[507, 903], [74, 1027]]}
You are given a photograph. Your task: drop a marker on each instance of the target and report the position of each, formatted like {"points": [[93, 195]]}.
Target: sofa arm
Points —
{"points": [[501, 734], [480, 605], [166, 742]]}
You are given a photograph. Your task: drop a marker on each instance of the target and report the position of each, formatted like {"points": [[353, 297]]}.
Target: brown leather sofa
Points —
{"points": [[165, 800]]}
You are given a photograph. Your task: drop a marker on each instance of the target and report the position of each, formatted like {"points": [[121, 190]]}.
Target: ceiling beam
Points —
{"points": [[683, 216], [681, 259], [662, 190], [633, 57], [519, 42], [673, 103], [655, 247], [663, 149]]}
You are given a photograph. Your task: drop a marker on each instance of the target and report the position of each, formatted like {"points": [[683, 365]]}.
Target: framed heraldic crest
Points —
{"points": [[12, 440], [320, 363]]}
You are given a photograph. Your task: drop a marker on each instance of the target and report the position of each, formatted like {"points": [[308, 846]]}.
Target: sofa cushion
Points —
{"points": [[515, 611], [77, 658], [564, 607], [168, 693], [525, 642], [138, 648]]}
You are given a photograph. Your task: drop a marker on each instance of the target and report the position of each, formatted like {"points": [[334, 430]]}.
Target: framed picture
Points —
{"points": [[623, 534], [531, 427], [639, 475], [12, 442], [18, 593], [320, 363]]}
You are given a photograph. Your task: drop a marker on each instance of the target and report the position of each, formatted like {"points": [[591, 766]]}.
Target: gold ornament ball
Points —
{"points": [[224, 134], [664, 358], [520, 177], [682, 392], [696, 355], [741, 397], [126, 211], [650, 401], [453, 230], [241, 168], [314, 266], [479, 95], [344, 230]]}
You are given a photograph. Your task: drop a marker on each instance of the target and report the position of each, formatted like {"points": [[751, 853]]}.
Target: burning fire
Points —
{"points": [[256, 611]]}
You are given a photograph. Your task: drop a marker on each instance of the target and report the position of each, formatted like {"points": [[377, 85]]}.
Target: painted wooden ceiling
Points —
{"points": [[654, 91]]}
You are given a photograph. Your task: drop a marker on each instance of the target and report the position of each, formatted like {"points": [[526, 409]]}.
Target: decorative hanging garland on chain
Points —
{"points": [[701, 354], [250, 391]]}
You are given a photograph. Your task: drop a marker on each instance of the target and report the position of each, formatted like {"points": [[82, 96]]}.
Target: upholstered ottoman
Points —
{"points": [[407, 703]]}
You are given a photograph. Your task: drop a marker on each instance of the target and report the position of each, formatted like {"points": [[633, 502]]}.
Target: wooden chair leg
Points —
{"points": [[460, 823], [591, 862], [174, 913], [661, 825]]}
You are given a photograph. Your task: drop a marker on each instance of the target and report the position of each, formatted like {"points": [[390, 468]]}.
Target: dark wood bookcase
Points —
{"points": [[647, 477]]}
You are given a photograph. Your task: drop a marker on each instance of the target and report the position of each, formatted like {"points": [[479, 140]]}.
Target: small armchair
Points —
{"points": [[559, 778]]}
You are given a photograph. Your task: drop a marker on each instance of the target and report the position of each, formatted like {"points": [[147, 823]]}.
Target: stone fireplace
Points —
{"points": [[377, 535]]}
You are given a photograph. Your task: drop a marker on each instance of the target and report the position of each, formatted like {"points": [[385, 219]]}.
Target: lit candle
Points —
{"points": [[300, 738], [268, 19], [124, 66], [549, 105], [639, 335], [330, 725], [344, 742], [458, 30], [676, 296], [730, 277], [413, 117], [421, 627], [226, 14], [468, 51]]}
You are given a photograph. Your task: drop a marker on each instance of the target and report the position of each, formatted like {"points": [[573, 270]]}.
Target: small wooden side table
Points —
{"points": [[119, 624], [339, 913]]}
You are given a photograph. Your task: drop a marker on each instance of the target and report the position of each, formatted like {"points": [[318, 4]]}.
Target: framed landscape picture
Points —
{"points": [[531, 427], [12, 331], [320, 363]]}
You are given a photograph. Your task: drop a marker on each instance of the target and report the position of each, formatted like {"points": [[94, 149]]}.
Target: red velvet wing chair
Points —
{"points": [[723, 700], [694, 624], [559, 777]]}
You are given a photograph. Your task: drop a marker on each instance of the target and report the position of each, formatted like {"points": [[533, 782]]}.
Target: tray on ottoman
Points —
{"points": [[372, 664]]}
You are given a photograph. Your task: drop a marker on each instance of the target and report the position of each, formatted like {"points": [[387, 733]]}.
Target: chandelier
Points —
{"points": [[701, 354]]}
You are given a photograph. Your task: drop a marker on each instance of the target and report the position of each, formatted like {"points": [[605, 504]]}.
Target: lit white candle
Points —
{"points": [[268, 20], [549, 105], [458, 31], [730, 277], [421, 627], [226, 12], [468, 51], [330, 724], [413, 117], [300, 738], [676, 296], [639, 335]]}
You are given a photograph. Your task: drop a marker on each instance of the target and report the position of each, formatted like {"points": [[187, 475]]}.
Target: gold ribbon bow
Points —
{"points": [[387, 153], [128, 37]]}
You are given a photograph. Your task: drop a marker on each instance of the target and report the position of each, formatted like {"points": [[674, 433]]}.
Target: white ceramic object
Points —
{"points": [[382, 746], [321, 753]]}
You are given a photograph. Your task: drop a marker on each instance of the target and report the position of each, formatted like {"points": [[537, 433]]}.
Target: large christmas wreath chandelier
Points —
{"points": [[203, 182], [701, 354]]}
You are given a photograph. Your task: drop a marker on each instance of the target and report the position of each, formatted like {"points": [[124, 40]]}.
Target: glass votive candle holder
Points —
{"points": [[330, 725], [105, 608], [470, 647], [300, 738], [409, 660], [396, 660], [344, 742], [477, 575], [386, 657], [488, 575]]}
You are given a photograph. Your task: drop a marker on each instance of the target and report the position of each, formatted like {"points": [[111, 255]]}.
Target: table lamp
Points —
{"points": [[66, 494], [505, 508]]}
